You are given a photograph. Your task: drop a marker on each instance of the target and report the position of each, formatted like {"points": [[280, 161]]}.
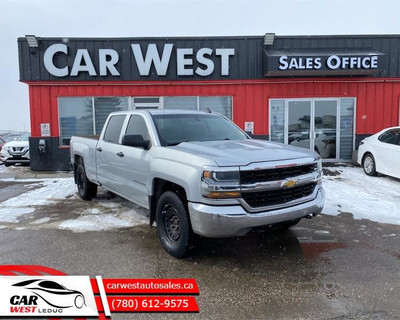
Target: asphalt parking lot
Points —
{"points": [[330, 267]]}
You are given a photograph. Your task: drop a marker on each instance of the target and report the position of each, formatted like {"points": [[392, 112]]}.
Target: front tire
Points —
{"points": [[173, 225], [87, 189], [369, 165]]}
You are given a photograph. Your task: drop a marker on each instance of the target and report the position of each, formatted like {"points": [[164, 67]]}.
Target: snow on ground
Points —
{"points": [[109, 213], [373, 198], [45, 192], [347, 188], [95, 219]]}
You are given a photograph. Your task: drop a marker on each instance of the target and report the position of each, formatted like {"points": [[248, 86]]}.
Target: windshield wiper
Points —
{"points": [[172, 144]]}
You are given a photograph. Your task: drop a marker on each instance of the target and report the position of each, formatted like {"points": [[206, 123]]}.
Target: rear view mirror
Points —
{"points": [[135, 140]]}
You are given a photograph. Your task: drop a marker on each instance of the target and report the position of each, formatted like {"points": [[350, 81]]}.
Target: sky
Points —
{"points": [[141, 18]]}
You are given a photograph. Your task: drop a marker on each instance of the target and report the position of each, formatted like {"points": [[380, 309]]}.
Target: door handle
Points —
{"points": [[99, 149], [120, 154]]}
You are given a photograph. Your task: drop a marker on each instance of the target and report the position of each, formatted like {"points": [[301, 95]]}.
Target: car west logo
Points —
{"points": [[47, 296]]}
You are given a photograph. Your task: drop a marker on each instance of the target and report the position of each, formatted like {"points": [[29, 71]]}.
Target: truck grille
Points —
{"points": [[277, 196], [254, 176]]}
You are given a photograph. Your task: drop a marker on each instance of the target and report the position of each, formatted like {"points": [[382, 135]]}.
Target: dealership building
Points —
{"points": [[324, 93]]}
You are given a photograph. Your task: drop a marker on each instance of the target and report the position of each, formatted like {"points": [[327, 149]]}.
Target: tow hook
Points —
{"points": [[310, 216]]}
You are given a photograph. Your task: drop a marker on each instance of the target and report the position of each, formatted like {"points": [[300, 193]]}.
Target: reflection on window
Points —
{"points": [[277, 121], [222, 105], [391, 137], [83, 116], [346, 128], [76, 118], [113, 130], [104, 106]]}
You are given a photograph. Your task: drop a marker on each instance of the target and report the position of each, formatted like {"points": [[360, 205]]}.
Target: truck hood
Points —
{"points": [[243, 152]]}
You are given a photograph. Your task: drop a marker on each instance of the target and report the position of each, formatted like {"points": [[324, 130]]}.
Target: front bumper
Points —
{"points": [[228, 221]]}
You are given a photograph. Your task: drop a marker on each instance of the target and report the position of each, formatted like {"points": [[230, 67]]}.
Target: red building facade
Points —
{"points": [[322, 93]]}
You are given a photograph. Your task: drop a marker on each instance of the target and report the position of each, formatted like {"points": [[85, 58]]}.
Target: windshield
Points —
{"points": [[176, 128], [24, 137]]}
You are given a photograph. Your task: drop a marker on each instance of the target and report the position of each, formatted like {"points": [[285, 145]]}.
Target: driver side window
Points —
{"points": [[137, 126]]}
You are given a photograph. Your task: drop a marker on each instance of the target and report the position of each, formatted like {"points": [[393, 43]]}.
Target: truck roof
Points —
{"points": [[162, 111]]}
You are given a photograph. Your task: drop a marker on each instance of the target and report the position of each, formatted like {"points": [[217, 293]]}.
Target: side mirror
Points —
{"points": [[135, 140]]}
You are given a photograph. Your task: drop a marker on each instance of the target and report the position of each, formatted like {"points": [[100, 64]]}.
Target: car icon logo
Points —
{"points": [[53, 293]]}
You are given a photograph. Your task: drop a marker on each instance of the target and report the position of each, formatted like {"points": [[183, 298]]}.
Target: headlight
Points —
{"points": [[220, 183]]}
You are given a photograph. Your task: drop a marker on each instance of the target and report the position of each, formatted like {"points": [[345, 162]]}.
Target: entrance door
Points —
{"points": [[299, 124], [312, 124]]}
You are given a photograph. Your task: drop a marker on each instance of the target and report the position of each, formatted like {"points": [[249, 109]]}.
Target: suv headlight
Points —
{"points": [[220, 183]]}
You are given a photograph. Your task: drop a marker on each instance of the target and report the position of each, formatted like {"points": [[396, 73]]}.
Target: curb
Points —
{"points": [[55, 175]]}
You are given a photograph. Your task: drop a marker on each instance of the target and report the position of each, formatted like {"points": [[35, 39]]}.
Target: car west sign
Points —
{"points": [[322, 63], [108, 60], [138, 59]]}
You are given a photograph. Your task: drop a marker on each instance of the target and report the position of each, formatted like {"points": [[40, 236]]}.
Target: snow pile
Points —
{"points": [[373, 198], [96, 220]]}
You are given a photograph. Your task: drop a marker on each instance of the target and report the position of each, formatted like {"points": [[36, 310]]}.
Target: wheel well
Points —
{"points": [[364, 155], [159, 187], [77, 161]]}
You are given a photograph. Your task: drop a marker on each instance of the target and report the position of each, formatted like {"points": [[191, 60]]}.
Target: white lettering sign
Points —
{"points": [[49, 63], [188, 61], [333, 62], [152, 57]]}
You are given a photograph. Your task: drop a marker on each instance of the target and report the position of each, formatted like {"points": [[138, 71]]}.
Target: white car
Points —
{"points": [[16, 151], [380, 153], [324, 143]]}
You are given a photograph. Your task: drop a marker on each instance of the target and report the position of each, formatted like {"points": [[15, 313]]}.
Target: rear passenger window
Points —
{"points": [[113, 129], [391, 137]]}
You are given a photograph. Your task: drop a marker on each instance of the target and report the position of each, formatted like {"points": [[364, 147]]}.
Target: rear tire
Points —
{"points": [[173, 225], [87, 189], [7, 164], [369, 165]]}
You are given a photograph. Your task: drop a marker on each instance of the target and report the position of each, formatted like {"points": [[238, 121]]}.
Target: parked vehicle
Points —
{"points": [[12, 136], [16, 152], [2, 142], [324, 142], [380, 153], [198, 173]]}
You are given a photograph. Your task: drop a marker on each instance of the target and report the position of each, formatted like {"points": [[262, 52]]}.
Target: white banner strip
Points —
{"points": [[103, 296]]}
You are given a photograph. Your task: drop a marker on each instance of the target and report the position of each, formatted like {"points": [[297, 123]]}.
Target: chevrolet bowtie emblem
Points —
{"points": [[289, 183]]}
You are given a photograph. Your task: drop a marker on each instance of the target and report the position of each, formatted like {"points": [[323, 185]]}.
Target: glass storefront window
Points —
{"points": [[103, 106], [222, 105], [83, 116], [277, 120], [76, 118], [180, 103], [346, 128], [324, 125]]}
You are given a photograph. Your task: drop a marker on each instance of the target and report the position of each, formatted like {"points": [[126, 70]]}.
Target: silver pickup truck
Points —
{"points": [[198, 173]]}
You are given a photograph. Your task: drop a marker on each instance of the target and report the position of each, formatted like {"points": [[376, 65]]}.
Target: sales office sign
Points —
{"points": [[46, 296], [324, 64]]}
